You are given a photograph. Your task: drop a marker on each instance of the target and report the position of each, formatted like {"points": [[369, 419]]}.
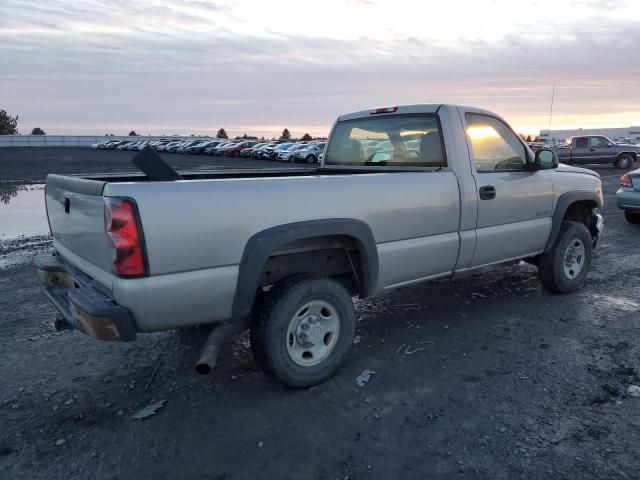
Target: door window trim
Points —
{"points": [[527, 159]]}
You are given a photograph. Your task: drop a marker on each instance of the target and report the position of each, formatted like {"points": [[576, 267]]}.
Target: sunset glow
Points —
{"points": [[193, 66], [478, 133]]}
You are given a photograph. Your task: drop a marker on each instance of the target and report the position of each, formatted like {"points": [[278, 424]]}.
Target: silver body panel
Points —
{"points": [[426, 224]]}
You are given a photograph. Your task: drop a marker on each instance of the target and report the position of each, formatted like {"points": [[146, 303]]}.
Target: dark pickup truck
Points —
{"points": [[598, 149]]}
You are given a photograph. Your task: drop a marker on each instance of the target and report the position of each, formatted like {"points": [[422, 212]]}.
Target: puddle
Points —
{"points": [[22, 211]]}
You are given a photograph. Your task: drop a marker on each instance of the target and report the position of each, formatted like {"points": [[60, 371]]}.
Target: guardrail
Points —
{"points": [[72, 140]]}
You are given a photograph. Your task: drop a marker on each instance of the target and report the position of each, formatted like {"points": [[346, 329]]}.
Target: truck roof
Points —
{"points": [[586, 136], [415, 108]]}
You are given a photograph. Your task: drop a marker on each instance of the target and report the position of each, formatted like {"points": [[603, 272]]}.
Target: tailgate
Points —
{"points": [[76, 215]]}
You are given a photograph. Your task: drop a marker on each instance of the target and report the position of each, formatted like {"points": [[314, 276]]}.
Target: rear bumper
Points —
{"points": [[83, 305], [628, 199]]}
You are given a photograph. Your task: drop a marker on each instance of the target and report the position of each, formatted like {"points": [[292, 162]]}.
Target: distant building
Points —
{"points": [[560, 136]]}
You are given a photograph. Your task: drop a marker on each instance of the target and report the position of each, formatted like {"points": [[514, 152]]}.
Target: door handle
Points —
{"points": [[487, 193]]}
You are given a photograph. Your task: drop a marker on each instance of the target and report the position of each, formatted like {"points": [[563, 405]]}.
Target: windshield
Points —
{"points": [[395, 140]]}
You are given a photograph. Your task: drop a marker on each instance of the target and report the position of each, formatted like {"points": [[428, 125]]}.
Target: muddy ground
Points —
{"points": [[489, 377]]}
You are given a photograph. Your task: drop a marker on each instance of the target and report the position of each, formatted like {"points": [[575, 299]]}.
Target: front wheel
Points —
{"points": [[632, 217], [305, 331], [565, 266], [311, 159]]}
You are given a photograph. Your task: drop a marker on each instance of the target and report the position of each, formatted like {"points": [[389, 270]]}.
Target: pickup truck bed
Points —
{"points": [[194, 263]]}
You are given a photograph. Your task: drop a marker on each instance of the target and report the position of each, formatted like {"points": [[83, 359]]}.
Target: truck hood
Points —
{"points": [[562, 168]]}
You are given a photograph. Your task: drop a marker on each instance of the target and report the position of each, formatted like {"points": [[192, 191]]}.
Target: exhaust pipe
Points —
{"points": [[61, 324], [213, 345]]}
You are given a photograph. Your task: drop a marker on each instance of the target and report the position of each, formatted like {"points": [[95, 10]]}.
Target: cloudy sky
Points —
{"points": [[192, 66]]}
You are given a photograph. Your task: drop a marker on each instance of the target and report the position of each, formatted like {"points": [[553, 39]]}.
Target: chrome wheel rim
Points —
{"points": [[625, 162], [312, 333], [574, 258]]}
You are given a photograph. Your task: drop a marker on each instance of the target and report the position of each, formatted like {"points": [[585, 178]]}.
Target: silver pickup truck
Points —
{"points": [[403, 195]]}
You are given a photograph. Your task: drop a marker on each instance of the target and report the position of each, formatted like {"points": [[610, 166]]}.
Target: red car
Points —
{"points": [[235, 150]]}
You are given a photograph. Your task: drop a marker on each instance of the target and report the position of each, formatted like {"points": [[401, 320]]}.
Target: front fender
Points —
{"points": [[562, 205]]}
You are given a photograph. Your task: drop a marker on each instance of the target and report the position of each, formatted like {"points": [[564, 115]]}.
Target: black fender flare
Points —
{"points": [[562, 205], [261, 245], [634, 154]]}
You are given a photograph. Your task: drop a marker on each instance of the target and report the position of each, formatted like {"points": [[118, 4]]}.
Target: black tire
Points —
{"points": [[624, 161], [551, 265], [632, 217], [311, 159], [269, 339]]}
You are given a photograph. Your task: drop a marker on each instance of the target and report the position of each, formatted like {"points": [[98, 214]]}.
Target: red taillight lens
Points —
{"points": [[625, 180], [124, 237]]}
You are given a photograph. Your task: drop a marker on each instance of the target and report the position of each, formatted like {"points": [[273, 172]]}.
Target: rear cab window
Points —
{"points": [[403, 140]]}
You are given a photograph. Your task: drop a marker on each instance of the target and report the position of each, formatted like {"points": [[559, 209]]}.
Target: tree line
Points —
{"points": [[9, 126], [285, 135]]}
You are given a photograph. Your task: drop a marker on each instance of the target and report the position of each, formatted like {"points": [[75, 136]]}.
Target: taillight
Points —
{"points": [[625, 180], [124, 237]]}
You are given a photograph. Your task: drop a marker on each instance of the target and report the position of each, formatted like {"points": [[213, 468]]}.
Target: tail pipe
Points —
{"points": [[207, 361]]}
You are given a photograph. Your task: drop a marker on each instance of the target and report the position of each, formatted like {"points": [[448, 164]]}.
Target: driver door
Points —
{"points": [[599, 150], [514, 204]]}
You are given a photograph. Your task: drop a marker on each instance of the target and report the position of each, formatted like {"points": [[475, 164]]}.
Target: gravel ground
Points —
{"points": [[488, 377]]}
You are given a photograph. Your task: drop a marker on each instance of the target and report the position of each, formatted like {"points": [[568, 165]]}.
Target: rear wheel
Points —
{"points": [[305, 331], [632, 217], [624, 161], [565, 266]]}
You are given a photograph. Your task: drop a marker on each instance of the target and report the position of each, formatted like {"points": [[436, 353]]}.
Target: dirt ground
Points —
{"points": [[488, 377]]}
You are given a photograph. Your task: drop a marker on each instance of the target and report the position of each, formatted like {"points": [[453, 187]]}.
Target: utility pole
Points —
{"points": [[553, 95]]}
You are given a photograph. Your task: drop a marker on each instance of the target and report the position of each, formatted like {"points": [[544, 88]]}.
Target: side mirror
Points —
{"points": [[546, 160]]}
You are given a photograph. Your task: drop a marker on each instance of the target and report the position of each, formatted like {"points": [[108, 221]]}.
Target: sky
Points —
{"points": [[256, 67]]}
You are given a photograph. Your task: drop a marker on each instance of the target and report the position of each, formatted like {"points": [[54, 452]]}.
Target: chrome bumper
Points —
{"points": [[599, 226]]}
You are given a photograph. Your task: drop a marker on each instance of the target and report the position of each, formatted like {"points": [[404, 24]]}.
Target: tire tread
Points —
{"points": [[550, 267]]}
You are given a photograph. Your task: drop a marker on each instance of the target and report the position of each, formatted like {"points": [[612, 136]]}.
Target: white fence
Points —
{"points": [[68, 140]]}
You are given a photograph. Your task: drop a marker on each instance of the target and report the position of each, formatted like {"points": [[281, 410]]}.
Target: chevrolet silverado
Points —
{"points": [[403, 195]]}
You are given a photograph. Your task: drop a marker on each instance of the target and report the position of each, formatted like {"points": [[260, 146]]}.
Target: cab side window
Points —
{"points": [[597, 142], [495, 147], [581, 142]]}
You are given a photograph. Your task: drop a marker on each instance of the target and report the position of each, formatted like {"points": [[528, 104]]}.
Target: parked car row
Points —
{"points": [[307, 152]]}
